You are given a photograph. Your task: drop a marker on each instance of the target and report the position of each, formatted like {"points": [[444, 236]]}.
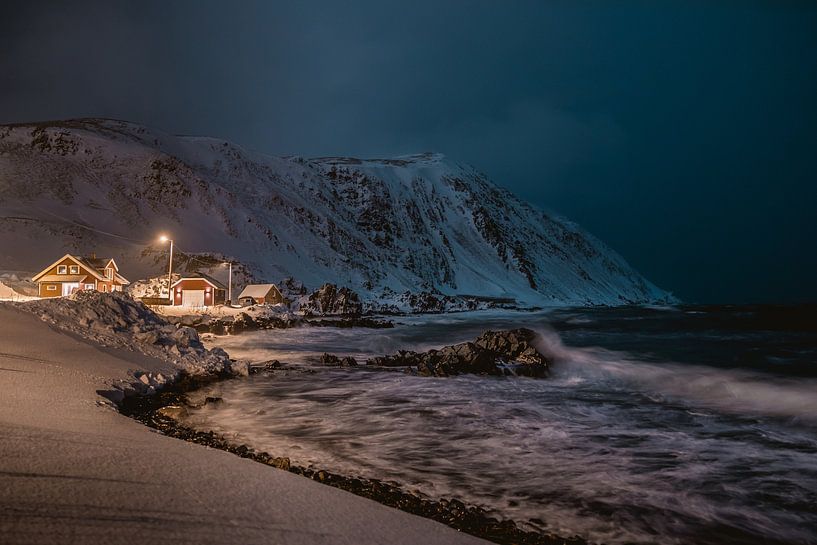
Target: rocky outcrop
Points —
{"points": [[432, 302], [493, 353], [331, 300], [245, 322], [332, 360], [514, 345], [291, 289]]}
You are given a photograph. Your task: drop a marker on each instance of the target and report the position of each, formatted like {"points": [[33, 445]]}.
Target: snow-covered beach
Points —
{"points": [[74, 470]]}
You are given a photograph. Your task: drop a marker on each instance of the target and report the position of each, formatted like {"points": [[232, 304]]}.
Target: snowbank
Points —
{"points": [[17, 286], [118, 321]]}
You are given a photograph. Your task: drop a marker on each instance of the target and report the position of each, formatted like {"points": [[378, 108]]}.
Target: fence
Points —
{"points": [[155, 301]]}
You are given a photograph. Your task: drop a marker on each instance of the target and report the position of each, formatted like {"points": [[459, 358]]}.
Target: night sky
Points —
{"points": [[682, 133]]}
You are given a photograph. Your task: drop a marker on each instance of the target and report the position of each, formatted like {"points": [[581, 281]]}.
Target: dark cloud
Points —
{"points": [[682, 133]]}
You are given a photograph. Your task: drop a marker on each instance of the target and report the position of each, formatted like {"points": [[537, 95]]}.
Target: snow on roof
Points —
{"points": [[95, 262], [94, 265], [200, 276], [257, 290], [63, 278]]}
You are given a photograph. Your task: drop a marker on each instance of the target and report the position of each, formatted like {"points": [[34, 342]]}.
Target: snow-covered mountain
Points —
{"points": [[420, 223]]}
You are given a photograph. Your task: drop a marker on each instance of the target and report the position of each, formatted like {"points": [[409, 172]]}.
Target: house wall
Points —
{"points": [[68, 263], [108, 286], [45, 292], [215, 296], [273, 297], [43, 286]]}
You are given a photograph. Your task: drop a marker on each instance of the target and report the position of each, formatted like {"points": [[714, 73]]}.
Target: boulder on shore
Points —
{"points": [[332, 360], [493, 353], [331, 300]]}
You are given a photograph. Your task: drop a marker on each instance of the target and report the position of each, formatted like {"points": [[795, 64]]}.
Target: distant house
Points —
{"points": [[71, 273], [259, 294], [198, 290]]}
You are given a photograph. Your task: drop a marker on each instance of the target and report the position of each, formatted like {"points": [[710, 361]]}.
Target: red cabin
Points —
{"points": [[198, 290]]}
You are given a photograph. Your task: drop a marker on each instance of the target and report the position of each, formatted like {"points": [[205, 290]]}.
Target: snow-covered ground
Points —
{"points": [[116, 320], [17, 286], [73, 470]]}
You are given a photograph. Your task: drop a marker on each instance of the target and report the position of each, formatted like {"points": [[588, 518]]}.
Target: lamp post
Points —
{"points": [[230, 283], [164, 239]]}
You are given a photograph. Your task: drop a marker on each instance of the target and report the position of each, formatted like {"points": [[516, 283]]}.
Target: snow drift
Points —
{"points": [[115, 320]]}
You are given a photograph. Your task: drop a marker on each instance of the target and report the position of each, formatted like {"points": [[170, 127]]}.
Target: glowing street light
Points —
{"points": [[230, 283], [164, 239]]}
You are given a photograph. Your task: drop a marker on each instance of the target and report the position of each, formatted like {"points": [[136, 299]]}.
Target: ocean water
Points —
{"points": [[658, 425]]}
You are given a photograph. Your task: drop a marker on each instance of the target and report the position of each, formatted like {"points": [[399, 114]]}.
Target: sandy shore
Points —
{"points": [[73, 470]]}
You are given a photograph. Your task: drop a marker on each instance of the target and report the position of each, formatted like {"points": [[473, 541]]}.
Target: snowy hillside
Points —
{"points": [[419, 223]]}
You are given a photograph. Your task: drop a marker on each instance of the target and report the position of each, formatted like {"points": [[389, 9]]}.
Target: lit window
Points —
{"points": [[51, 287], [74, 269], [89, 286], [62, 269], [108, 273]]}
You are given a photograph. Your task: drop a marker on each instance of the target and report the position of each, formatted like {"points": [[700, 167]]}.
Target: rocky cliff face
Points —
{"points": [[390, 229]]}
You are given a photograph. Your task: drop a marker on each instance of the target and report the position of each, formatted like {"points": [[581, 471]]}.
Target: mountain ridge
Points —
{"points": [[417, 223]]}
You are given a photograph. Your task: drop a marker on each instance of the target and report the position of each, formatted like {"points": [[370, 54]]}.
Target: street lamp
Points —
{"points": [[164, 239], [230, 284]]}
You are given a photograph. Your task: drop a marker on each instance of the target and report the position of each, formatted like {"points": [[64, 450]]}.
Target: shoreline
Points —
{"points": [[157, 412], [73, 469]]}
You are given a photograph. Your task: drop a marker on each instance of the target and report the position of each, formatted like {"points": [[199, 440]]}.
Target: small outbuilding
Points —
{"points": [[198, 290], [260, 294]]}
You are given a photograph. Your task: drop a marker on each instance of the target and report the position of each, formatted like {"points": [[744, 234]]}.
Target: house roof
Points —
{"points": [[81, 278], [99, 263], [257, 290], [200, 276], [93, 265]]}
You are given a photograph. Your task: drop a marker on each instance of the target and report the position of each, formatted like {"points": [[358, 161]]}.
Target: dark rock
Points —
{"points": [[291, 289], [173, 411], [242, 322], [245, 322], [493, 353], [348, 361], [280, 463], [329, 299], [191, 320], [272, 365], [352, 321], [334, 361]]}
